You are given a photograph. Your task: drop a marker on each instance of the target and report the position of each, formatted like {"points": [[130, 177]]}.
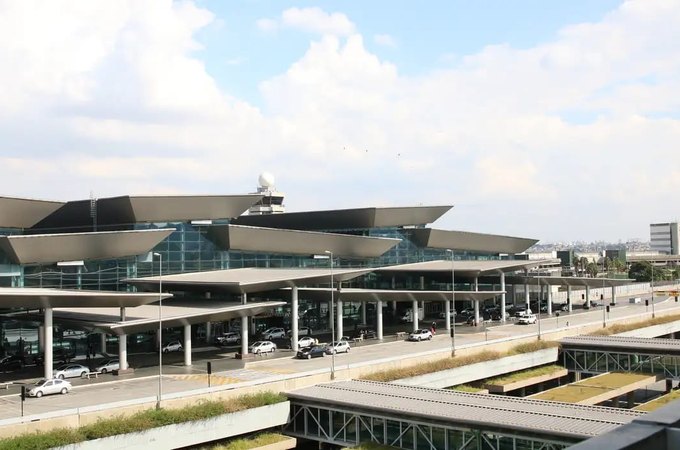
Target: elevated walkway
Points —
{"points": [[347, 413], [601, 354]]}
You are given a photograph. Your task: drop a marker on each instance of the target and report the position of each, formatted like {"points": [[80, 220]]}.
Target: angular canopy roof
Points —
{"points": [[466, 268], [34, 298], [118, 213], [295, 242], [574, 281], [346, 219], [388, 295], [24, 212], [240, 281], [465, 240], [175, 314], [51, 248]]}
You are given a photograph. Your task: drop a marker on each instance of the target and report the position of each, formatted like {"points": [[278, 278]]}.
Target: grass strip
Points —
{"points": [[623, 327], [259, 440], [523, 375], [457, 361], [370, 446], [141, 421], [467, 388]]}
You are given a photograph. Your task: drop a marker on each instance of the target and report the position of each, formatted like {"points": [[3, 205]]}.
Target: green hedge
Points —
{"points": [[141, 421]]}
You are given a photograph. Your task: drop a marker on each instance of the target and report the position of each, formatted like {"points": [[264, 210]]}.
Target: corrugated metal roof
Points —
{"points": [[474, 410], [642, 345]]}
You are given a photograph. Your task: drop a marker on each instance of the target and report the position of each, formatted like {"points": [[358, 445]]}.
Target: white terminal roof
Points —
{"points": [[473, 268]]}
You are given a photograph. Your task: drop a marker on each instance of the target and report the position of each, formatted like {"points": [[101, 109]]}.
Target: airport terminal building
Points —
{"points": [[100, 266]]}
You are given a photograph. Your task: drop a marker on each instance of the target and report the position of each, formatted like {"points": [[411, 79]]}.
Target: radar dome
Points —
{"points": [[266, 180]]}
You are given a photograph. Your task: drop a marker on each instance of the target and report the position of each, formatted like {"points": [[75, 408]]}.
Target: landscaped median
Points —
{"points": [[166, 428]]}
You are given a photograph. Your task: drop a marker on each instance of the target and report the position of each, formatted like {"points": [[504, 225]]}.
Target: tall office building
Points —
{"points": [[664, 238]]}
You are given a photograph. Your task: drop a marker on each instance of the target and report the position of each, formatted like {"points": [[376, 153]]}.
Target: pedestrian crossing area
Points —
{"points": [[230, 376]]}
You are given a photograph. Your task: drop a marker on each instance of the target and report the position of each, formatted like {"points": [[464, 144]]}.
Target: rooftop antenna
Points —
{"points": [[93, 211]]}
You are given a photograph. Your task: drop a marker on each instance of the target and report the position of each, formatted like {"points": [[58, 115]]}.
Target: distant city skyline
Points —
{"points": [[557, 121]]}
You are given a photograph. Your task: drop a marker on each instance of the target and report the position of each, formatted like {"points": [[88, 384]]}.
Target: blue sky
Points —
{"points": [[555, 120]]}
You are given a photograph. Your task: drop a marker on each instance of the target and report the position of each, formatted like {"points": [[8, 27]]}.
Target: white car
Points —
{"points": [[51, 386], [70, 371], [274, 333], [302, 331], [174, 346], [337, 347], [262, 347], [108, 366], [307, 342], [527, 319], [420, 335], [229, 338], [452, 314]]}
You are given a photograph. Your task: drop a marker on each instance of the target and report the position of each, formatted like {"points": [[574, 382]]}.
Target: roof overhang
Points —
{"points": [[34, 298], [240, 281], [465, 240], [174, 314], [295, 242], [50, 248], [373, 295], [467, 268], [24, 212], [344, 219], [571, 281]]}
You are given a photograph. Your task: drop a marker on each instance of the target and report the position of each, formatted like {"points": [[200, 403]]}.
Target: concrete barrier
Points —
{"points": [[194, 433]]}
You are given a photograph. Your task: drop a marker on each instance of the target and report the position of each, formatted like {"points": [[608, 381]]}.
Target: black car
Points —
{"points": [[314, 351], [12, 362]]}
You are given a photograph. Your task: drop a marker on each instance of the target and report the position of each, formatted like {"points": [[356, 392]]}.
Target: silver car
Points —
{"points": [[108, 366], [70, 371], [51, 386]]}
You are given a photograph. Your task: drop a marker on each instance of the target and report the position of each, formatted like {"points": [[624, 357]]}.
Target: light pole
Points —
{"points": [[651, 285], [453, 305], [538, 283], [160, 329], [332, 318]]}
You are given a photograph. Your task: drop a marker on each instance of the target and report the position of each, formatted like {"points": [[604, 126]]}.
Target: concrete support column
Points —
{"points": [[339, 326], [41, 338], [526, 293], [630, 399], [669, 385], [614, 295], [587, 301], [122, 345], [513, 289], [294, 319], [615, 402], [379, 318], [476, 313], [570, 299], [363, 313], [414, 314], [394, 307], [447, 314], [208, 332], [48, 343], [503, 297], [550, 300], [577, 376], [187, 345], [102, 343], [244, 327], [476, 284]]}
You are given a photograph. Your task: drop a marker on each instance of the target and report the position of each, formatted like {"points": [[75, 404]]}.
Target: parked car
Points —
{"points": [[174, 346], [70, 371], [108, 366], [307, 342], [564, 307], [314, 351], [302, 331], [228, 339], [497, 316], [420, 335], [452, 314], [262, 347], [337, 347], [521, 309], [51, 386], [527, 319], [11, 362], [273, 333], [366, 333]]}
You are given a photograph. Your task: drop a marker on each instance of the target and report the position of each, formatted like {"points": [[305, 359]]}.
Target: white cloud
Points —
{"points": [[311, 20], [385, 40], [543, 141]]}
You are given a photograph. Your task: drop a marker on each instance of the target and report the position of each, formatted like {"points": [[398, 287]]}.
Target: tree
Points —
{"points": [[592, 269], [640, 271]]}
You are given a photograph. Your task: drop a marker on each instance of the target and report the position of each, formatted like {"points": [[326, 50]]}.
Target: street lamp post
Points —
{"points": [[160, 329], [453, 305], [538, 315], [651, 285], [331, 317]]}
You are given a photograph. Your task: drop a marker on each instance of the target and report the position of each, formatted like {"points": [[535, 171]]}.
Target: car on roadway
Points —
{"points": [[302, 331], [307, 342], [108, 366], [420, 335], [11, 362], [337, 347], [315, 351], [527, 319], [70, 371], [51, 386], [174, 346], [262, 347], [273, 333], [228, 338]]}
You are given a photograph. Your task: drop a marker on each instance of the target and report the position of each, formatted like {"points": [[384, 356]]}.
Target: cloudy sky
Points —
{"points": [[556, 120]]}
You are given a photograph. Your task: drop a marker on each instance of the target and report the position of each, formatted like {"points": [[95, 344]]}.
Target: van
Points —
{"points": [[635, 300]]}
